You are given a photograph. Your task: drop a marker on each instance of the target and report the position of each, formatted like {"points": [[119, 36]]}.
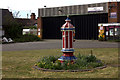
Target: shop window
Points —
{"points": [[116, 31], [31, 32], [26, 32], [111, 31], [106, 33]]}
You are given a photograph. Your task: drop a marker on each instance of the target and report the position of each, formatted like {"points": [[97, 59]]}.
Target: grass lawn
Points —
{"points": [[18, 64]]}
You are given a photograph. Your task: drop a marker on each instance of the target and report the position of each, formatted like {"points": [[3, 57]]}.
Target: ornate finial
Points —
{"points": [[67, 20], [67, 16]]}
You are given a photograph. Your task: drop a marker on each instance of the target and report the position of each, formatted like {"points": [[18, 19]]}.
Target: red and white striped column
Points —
{"points": [[67, 41]]}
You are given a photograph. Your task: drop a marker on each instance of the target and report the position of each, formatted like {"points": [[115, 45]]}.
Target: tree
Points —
{"points": [[12, 28], [16, 14]]}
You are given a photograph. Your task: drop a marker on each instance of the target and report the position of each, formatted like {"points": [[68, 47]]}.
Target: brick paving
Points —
{"points": [[57, 44]]}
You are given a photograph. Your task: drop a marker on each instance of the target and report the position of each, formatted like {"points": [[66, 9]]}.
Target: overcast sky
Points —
{"points": [[28, 6]]}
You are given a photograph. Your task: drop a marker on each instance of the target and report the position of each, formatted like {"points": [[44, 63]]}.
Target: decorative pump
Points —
{"points": [[68, 34]]}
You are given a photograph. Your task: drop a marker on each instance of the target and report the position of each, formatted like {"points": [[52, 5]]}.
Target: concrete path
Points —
{"points": [[57, 44]]}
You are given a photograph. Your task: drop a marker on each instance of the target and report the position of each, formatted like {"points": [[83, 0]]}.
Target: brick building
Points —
{"points": [[28, 22], [6, 18]]}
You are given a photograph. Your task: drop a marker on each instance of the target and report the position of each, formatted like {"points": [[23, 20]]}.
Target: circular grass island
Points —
{"points": [[83, 63]]}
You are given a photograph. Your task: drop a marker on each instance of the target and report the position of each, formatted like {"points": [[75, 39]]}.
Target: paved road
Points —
{"points": [[57, 44]]}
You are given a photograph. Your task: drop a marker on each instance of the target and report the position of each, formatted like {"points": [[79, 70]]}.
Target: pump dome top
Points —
{"points": [[68, 19], [67, 25]]}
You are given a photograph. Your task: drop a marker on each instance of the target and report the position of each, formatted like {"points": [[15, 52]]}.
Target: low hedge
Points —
{"points": [[27, 38], [117, 40]]}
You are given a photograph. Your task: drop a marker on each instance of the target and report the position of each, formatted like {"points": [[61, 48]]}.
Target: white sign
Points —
{"points": [[26, 30], [94, 9], [113, 15]]}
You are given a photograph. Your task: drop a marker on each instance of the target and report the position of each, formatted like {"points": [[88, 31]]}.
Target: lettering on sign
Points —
{"points": [[95, 9]]}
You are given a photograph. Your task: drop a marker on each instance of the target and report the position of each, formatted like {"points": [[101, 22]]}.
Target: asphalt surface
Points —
{"points": [[57, 44]]}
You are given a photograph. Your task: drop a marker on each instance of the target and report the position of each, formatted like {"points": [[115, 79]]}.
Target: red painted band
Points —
{"points": [[66, 39]]}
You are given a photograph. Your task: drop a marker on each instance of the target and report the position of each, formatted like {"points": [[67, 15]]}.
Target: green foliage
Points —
{"points": [[116, 40], [94, 64], [57, 65], [20, 63], [12, 28], [30, 27], [82, 62], [91, 58], [49, 63], [100, 38], [27, 38]]}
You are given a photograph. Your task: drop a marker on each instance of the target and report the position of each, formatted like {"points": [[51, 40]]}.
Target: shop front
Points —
{"points": [[109, 31]]}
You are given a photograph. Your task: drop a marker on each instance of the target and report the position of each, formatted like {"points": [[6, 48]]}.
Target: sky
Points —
{"points": [[31, 6]]}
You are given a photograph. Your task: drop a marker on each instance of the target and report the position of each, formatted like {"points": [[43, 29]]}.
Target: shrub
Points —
{"points": [[49, 63], [100, 38], [27, 38], [30, 27], [82, 62], [12, 28], [116, 40], [91, 58]]}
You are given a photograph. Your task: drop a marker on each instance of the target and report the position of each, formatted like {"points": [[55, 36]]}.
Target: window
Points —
{"points": [[111, 32]]}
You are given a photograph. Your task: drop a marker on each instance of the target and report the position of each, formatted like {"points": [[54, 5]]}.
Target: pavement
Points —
{"points": [[57, 44]]}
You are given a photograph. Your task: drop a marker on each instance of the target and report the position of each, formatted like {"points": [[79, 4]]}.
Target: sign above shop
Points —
{"points": [[109, 24], [94, 9]]}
